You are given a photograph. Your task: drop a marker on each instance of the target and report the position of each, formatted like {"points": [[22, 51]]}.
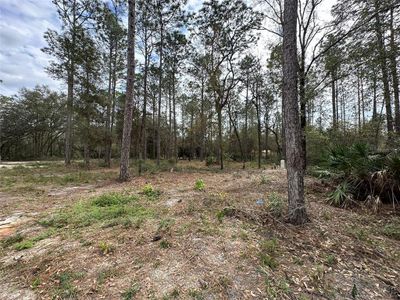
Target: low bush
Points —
{"points": [[362, 175]]}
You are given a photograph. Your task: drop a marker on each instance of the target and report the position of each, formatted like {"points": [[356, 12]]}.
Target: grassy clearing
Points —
{"points": [[27, 179], [109, 209]]}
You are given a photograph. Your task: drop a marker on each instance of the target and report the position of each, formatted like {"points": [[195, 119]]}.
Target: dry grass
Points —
{"points": [[217, 242]]}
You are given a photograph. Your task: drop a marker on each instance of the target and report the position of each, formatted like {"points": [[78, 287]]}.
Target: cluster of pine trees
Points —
{"points": [[188, 84]]}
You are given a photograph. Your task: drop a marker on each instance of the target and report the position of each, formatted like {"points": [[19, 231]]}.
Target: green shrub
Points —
{"points": [[149, 191], [199, 185], [275, 204], [24, 245], [364, 175]]}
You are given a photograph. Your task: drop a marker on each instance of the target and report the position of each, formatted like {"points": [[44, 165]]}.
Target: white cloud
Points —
{"points": [[22, 25]]}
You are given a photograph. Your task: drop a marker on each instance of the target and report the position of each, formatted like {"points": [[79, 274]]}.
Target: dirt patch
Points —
{"points": [[220, 243]]}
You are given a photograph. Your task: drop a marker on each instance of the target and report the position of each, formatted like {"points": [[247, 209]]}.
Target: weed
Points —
{"points": [[164, 244], [275, 204], [172, 295], [330, 260], [317, 274], [131, 291], [165, 225], [65, 289], [196, 295], [326, 215], [199, 185], [149, 191], [35, 283], [224, 282], [359, 233], [12, 239], [268, 253], [104, 274], [24, 245], [227, 211], [268, 261], [112, 199], [392, 230], [270, 246], [106, 248], [263, 179]]}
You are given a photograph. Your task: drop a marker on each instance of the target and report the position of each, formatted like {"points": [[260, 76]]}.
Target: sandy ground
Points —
{"points": [[224, 242]]}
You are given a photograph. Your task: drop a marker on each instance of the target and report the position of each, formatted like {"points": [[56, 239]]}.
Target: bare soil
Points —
{"points": [[223, 242]]}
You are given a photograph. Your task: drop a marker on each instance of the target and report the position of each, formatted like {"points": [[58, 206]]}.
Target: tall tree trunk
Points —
{"points": [[333, 89], [221, 154], [174, 116], [293, 132], [395, 78], [358, 103], [202, 120], [237, 136], [258, 132], [374, 106], [160, 87], [266, 122], [384, 70], [70, 112], [143, 139], [129, 98], [107, 154], [303, 106]]}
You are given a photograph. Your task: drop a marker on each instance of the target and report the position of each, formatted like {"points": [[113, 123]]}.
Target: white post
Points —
{"points": [[283, 166]]}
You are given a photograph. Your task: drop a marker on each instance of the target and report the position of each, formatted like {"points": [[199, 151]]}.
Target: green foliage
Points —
{"points": [[110, 208], [199, 185], [364, 175], [24, 245], [12, 239], [330, 260], [392, 230], [106, 248], [150, 192], [131, 291], [164, 244], [268, 253], [342, 196], [65, 288], [275, 204], [263, 179]]}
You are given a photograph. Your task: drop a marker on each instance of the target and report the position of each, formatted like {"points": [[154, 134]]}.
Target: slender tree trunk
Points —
{"points": [[143, 139], [359, 103], [174, 116], [202, 120], [266, 122], [160, 89], [374, 108], [333, 89], [237, 136], [107, 154], [384, 70], [293, 132], [303, 106], [395, 78], [258, 132], [221, 154], [70, 112], [129, 99]]}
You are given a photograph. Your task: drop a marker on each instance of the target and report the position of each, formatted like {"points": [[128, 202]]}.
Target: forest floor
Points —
{"points": [[71, 233]]}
